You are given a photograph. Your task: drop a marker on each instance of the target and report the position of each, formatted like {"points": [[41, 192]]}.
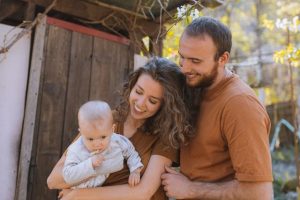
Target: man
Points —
{"points": [[229, 156]]}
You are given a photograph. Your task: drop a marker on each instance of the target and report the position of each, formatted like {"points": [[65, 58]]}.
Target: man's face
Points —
{"points": [[197, 60]]}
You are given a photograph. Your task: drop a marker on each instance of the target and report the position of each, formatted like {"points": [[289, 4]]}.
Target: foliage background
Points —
{"points": [[256, 42]]}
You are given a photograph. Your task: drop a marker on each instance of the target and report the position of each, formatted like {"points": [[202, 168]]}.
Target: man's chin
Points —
{"points": [[193, 84]]}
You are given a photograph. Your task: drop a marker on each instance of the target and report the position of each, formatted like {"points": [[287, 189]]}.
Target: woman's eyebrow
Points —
{"points": [[150, 96], [140, 87]]}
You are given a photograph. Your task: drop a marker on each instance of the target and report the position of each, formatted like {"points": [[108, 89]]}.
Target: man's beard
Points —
{"points": [[207, 80]]}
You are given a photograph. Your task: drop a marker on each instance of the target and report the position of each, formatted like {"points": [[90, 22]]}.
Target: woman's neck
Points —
{"points": [[131, 125]]}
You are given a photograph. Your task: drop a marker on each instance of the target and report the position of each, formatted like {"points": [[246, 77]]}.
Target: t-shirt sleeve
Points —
{"points": [[245, 127], [160, 148]]}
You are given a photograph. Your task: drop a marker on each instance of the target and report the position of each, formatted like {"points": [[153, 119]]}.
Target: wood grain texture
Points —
{"points": [[110, 62], [52, 109], [78, 83]]}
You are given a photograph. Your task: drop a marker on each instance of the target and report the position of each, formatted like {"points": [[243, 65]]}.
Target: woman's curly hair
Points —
{"points": [[172, 120]]}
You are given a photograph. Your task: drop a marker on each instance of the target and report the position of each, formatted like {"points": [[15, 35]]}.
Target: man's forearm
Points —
{"points": [[232, 190]]}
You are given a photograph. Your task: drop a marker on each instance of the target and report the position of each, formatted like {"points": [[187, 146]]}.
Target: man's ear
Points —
{"points": [[224, 58]]}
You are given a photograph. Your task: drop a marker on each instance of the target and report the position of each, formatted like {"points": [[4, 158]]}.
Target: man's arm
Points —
{"points": [[178, 186]]}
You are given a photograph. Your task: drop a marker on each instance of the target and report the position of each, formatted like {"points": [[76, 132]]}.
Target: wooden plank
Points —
{"points": [[87, 31], [110, 63], [78, 83], [52, 110], [30, 110]]}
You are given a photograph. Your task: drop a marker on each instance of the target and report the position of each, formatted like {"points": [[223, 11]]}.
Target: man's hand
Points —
{"points": [[176, 184], [63, 193], [134, 177], [97, 159]]}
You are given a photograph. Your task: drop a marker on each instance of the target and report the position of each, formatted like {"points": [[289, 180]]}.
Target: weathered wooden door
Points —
{"points": [[78, 64]]}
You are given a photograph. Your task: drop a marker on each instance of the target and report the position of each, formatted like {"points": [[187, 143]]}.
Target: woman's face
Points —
{"points": [[145, 97]]}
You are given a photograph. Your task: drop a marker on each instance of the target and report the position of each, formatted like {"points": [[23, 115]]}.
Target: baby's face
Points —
{"points": [[96, 137]]}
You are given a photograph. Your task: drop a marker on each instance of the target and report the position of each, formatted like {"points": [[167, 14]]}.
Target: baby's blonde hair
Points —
{"points": [[95, 111]]}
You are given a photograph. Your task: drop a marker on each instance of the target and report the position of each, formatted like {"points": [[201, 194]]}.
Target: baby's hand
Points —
{"points": [[97, 159], [134, 177]]}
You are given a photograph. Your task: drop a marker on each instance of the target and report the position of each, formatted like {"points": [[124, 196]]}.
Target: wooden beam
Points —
{"points": [[76, 8], [8, 8], [92, 12], [119, 9], [87, 31], [30, 111]]}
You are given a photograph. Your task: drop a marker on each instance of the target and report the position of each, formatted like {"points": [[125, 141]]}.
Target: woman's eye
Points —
{"points": [[152, 101], [138, 91]]}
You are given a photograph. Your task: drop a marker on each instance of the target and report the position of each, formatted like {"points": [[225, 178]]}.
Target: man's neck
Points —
{"points": [[222, 75]]}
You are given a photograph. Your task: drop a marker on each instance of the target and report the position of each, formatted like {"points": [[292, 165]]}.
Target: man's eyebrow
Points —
{"points": [[190, 58]]}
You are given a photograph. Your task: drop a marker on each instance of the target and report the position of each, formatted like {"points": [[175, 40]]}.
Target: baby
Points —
{"points": [[98, 151]]}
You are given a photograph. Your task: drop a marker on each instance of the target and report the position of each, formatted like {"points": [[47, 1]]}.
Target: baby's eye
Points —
{"points": [[103, 137], [90, 139]]}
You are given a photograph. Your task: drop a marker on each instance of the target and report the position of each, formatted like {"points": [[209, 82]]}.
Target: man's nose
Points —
{"points": [[184, 65]]}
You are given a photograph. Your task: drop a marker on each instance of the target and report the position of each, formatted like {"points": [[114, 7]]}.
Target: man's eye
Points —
{"points": [[195, 61]]}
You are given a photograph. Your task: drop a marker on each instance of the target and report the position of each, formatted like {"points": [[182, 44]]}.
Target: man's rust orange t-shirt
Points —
{"points": [[232, 139]]}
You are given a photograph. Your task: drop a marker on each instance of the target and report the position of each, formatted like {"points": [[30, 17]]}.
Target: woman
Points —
{"points": [[154, 116]]}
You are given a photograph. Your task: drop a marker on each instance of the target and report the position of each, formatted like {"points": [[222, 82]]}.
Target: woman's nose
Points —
{"points": [[141, 102]]}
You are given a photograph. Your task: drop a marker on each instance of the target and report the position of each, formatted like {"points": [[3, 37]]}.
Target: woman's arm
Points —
{"points": [[55, 180], [150, 182]]}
